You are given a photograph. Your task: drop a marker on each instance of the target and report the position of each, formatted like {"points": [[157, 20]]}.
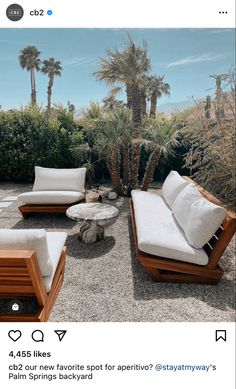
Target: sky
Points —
{"points": [[186, 57]]}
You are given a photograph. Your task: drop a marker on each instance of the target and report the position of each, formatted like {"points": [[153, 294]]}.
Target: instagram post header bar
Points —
{"points": [[107, 14]]}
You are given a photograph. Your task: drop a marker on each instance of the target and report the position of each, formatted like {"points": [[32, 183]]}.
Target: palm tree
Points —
{"points": [[108, 133], [113, 141], [29, 60], [160, 139], [156, 88], [52, 68], [108, 144], [127, 68]]}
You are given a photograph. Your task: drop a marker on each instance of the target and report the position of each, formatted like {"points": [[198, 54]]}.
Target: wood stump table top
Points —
{"points": [[92, 211]]}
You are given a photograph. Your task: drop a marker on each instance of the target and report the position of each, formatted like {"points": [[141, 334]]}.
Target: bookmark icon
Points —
{"points": [[60, 334], [220, 334]]}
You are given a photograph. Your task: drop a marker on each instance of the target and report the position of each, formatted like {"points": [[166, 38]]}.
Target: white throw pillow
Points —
{"points": [[172, 186], [59, 179], [198, 217], [28, 240]]}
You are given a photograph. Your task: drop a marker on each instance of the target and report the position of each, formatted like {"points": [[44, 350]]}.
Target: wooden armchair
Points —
{"points": [[54, 191], [25, 294], [169, 270]]}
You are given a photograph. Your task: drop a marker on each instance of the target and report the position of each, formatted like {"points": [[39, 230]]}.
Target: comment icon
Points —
{"points": [[37, 336]]}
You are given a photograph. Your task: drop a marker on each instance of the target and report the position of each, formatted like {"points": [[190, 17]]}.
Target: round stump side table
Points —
{"points": [[91, 213]]}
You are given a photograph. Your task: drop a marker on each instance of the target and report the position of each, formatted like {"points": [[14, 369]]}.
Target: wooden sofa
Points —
{"points": [[54, 191], [163, 269], [21, 281]]}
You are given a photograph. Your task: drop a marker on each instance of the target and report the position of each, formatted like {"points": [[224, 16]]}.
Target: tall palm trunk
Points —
{"points": [[150, 168], [153, 109], [50, 85], [114, 169], [136, 147], [125, 152], [136, 104], [143, 102], [33, 87], [129, 95]]}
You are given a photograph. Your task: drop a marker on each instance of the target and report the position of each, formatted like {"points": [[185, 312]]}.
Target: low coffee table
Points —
{"points": [[91, 231]]}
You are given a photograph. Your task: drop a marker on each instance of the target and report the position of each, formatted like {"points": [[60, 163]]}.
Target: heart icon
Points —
{"points": [[14, 335]]}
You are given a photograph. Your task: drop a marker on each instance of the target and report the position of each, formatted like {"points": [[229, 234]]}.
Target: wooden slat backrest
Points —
{"points": [[20, 275], [218, 243]]}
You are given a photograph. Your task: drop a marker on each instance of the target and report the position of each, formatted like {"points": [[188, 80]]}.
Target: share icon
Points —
{"points": [[60, 334]]}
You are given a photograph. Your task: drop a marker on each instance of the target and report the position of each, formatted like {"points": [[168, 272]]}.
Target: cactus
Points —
{"points": [[208, 107]]}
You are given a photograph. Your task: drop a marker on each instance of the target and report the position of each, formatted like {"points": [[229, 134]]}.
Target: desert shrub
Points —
{"points": [[211, 137], [211, 158], [30, 137]]}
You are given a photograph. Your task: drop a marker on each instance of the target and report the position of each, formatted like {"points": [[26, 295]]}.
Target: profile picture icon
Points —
{"points": [[15, 12]]}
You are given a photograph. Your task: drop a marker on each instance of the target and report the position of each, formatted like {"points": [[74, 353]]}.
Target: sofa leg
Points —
{"points": [[23, 213], [154, 274]]}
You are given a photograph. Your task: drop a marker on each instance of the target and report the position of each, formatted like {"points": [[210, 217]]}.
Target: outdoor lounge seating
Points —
{"points": [[54, 191], [181, 231], [32, 264]]}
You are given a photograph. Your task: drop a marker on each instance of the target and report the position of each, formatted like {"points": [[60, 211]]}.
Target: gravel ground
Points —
{"points": [[104, 281]]}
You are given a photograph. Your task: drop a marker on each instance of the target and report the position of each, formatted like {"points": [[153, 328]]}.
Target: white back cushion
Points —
{"points": [[159, 233], [172, 186], [59, 179], [28, 240], [198, 217]]}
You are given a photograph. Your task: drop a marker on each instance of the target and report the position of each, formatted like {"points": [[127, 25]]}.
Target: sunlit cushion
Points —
{"points": [[47, 246], [172, 186], [198, 217], [51, 197], [59, 179], [35, 240], [158, 233]]}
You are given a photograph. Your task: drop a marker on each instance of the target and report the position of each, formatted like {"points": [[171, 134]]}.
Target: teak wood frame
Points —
{"points": [[168, 270], [20, 277], [27, 209]]}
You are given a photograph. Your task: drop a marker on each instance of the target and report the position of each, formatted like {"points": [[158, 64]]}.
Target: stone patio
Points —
{"points": [[104, 281]]}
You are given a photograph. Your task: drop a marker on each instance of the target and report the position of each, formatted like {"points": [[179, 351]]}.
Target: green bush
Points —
{"points": [[29, 137]]}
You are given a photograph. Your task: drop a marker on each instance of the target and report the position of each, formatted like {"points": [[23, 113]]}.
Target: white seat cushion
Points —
{"points": [[158, 233], [198, 217], [51, 197], [172, 186], [59, 179], [29, 240], [56, 242]]}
